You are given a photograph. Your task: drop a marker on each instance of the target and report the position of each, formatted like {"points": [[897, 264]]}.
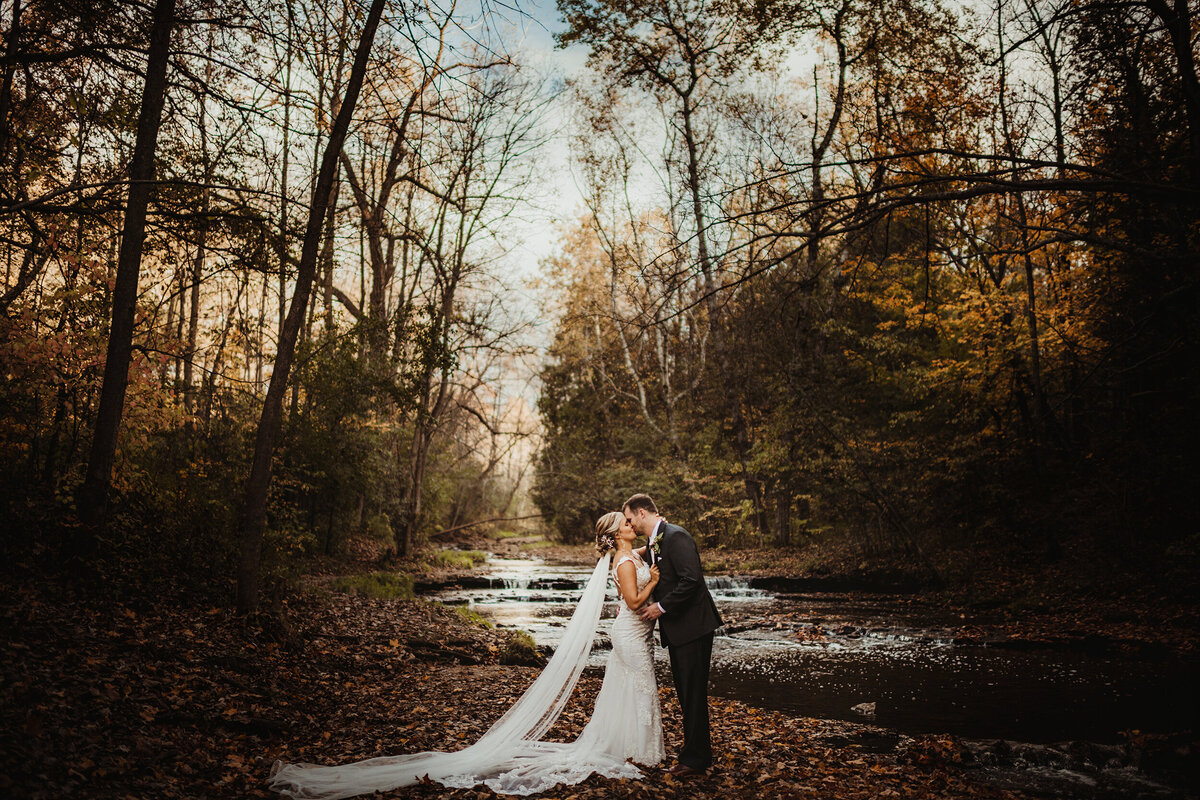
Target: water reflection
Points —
{"points": [[821, 655]]}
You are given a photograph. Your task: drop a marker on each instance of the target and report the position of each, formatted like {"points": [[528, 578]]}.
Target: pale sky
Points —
{"points": [[531, 233], [556, 195], [526, 30]]}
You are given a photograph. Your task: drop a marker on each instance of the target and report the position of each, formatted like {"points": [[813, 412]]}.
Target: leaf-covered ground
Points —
{"points": [[102, 700]]}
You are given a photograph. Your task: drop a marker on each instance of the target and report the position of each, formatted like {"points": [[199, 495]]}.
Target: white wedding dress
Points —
{"points": [[510, 758]]}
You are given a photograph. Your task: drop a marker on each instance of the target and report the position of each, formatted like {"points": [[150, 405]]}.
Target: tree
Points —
{"points": [[93, 494], [479, 161], [682, 52], [254, 511]]}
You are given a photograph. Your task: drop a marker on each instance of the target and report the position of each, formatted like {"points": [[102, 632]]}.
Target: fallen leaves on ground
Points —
{"points": [[103, 700]]}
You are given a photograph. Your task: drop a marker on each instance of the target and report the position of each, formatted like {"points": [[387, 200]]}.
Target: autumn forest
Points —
{"points": [[901, 290]]}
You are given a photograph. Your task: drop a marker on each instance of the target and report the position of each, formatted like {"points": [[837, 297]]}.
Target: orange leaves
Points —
{"points": [[152, 712], [932, 751], [811, 634]]}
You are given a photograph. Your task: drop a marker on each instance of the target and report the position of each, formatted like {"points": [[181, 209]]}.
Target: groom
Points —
{"points": [[687, 617]]}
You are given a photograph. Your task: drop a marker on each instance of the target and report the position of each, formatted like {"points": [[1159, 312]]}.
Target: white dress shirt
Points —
{"points": [[654, 533]]}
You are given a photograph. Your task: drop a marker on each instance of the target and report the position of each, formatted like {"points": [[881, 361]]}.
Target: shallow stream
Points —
{"points": [[822, 654]]}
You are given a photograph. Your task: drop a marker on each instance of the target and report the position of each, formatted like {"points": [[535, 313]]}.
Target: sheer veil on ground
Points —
{"points": [[509, 757]]}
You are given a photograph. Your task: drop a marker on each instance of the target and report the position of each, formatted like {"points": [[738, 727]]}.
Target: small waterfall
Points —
{"points": [[726, 587], [523, 582], [540, 583]]}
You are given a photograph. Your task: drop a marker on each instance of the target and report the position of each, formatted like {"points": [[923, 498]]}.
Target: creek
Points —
{"points": [[821, 654]]}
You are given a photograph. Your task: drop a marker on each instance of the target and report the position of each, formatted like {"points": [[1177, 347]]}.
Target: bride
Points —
{"points": [[511, 758]]}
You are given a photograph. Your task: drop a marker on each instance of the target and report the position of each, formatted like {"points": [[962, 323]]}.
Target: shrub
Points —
{"points": [[377, 585], [458, 559]]}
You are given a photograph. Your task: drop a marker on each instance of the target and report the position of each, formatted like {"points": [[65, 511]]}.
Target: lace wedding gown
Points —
{"points": [[626, 724]]}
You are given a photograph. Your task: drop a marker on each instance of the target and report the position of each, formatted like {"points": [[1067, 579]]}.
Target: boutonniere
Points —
{"points": [[656, 546]]}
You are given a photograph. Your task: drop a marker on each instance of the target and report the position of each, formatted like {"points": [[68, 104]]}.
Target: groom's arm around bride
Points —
{"points": [[687, 617], [688, 610]]}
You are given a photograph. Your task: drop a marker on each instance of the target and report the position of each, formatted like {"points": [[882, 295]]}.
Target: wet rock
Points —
{"points": [[1172, 754], [932, 751], [1082, 755], [460, 582], [1028, 754], [997, 751], [1075, 769], [1075, 755], [866, 709], [1081, 769]]}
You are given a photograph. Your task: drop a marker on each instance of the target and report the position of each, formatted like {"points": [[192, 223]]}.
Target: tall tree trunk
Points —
{"points": [[260, 344], [319, 119], [282, 253], [189, 387], [193, 330], [210, 380], [782, 500], [428, 412], [254, 512], [327, 258], [1177, 17], [14, 36], [165, 370], [93, 494], [1040, 406], [1041, 410], [410, 503], [178, 332]]}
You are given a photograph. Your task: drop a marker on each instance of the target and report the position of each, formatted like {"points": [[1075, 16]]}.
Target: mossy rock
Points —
{"points": [[521, 650], [457, 559], [473, 618], [377, 585]]}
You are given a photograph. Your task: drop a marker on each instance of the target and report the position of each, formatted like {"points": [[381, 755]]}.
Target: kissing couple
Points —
{"points": [[660, 583]]}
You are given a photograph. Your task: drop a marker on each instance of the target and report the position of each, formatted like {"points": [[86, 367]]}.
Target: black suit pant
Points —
{"points": [[689, 667]]}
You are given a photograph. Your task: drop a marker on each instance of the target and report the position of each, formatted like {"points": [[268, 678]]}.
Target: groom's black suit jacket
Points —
{"points": [[688, 609]]}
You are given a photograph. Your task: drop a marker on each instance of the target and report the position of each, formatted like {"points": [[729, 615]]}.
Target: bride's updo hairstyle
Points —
{"points": [[606, 532]]}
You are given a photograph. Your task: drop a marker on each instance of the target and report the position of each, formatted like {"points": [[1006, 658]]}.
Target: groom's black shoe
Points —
{"points": [[683, 771]]}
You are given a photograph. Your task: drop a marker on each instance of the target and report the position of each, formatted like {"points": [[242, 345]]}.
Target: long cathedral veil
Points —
{"points": [[508, 745]]}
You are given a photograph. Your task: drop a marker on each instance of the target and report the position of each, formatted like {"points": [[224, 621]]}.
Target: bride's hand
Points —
{"points": [[654, 574]]}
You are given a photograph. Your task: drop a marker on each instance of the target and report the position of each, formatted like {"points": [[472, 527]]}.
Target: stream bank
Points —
{"points": [[1048, 715]]}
